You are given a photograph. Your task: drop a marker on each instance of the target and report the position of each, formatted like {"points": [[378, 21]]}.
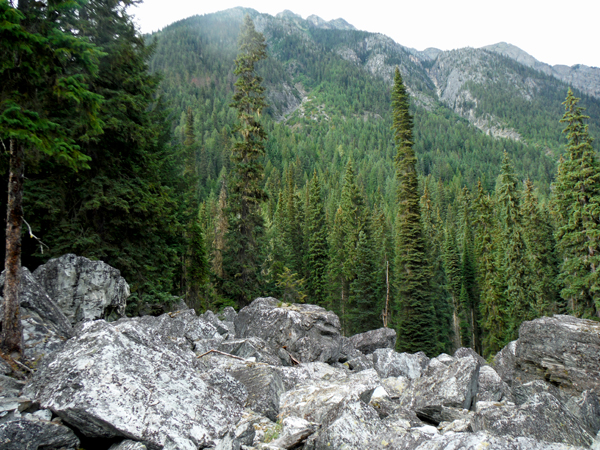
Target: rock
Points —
{"points": [[370, 341], [586, 408], [26, 434], [313, 402], [84, 289], [119, 379], [504, 362], [264, 386], [542, 418], [308, 332], [525, 392], [45, 327], [310, 373], [351, 424], [419, 440], [10, 387], [491, 386], [444, 359], [358, 363], [128, 445], [243, 435], [256, 348], [452, 386], [465, 352], [560, 349], [347, 350], [224, 328], [389, 363], [456, 426], [227, 315], [295, 432]]}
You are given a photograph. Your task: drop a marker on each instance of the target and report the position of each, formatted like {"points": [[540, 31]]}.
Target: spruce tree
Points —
{"points": [[414, 312], [317, 243], [577, 208], [245, 191], [364, 305]]}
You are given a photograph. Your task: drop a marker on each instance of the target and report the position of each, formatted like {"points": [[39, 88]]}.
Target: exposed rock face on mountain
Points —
{"points": [[584, 78], [173, 382]]}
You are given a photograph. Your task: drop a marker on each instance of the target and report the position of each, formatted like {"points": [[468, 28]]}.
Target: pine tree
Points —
{"points": [[454, 282], [197, 267], [245, 191], [317, 243], [414, 312], [364, 305], [577, 208]]}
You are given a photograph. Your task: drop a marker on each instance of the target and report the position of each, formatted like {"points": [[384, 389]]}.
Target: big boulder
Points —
{"points": [[371, 340], [389, 363], [560, 349], [84, 289], [122, 379], [307, 332], [45, 327], [31, 434]]}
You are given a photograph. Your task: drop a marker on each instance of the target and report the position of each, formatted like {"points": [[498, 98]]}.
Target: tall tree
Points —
{"points": [[414, 312], [245, 191], [317, 243], [577, 207], [45, 106]]}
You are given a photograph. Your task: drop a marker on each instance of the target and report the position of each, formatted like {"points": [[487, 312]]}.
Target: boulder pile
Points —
{"points": [[278, 376]]}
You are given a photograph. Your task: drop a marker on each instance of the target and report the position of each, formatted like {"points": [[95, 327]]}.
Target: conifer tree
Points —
{"points": [[414, 312], [577, 208], [454, 283], [245, 191], [364, 305], [317, 243]]}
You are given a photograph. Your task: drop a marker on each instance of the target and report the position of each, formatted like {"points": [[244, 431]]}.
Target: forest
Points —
{"points": [[235, 155]]}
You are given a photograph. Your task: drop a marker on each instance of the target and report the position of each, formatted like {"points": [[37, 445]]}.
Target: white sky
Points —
{"points": [[552, 31]]}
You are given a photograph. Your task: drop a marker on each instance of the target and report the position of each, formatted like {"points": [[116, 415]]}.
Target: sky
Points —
{"points": [[552, 31]]}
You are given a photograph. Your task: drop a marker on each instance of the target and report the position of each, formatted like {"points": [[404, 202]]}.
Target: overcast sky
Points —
{"points": [[552, 31]]}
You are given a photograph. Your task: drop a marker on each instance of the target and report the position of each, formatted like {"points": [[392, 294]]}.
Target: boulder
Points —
{"points": [[586, 408], [445, 386], [310, 373], [465, 352], [314, 401], [370, 341], [307, 332], [351, 424], [295, 432], [84, 289], [389, 363], [33, 433], [264, 386], [10, 387], [491, 386], [121, 379], [504, 362], [45, 327], [128, 445], [525, 392], [542, 418], [256, 348], [560, 349]]}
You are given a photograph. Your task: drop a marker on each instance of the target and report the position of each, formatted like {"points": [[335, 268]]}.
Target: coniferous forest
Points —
{"points": [[238, 155]]}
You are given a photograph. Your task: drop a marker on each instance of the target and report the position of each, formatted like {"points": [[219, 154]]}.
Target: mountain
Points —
{"points": [[584, 78], [328, 86]]}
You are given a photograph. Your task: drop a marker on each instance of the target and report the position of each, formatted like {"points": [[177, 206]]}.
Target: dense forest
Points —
{"points": [[238, 155]]}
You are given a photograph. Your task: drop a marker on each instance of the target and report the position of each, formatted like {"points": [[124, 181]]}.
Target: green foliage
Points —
{"points": [[577, 207]]}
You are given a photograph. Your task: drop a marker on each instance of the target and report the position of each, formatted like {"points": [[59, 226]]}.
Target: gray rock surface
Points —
{"points": [[264, 386], [389, 363], [586, 408], [465, 352], [505, 361], [31, 434], [454, 386], [308, 332], [84, 289], [45, 327], [295, 432], [491, 386], [542, 418], [254, 347], [128, 445], [119, 379], [371, 340], [561, 349]]}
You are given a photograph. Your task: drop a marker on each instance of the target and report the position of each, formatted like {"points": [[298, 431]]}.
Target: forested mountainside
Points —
{"points": [[164, 197]]}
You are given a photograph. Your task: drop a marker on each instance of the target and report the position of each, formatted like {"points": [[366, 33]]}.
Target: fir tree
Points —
{"points": [[245, 191], [364, 305], [414, 313], [577, 207]]}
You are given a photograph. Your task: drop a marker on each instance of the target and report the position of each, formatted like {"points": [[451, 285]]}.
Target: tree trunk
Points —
{"points": [[12, 332]]}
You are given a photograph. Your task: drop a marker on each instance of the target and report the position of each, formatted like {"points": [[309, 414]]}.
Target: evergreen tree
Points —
{"points": [[317, 243], [197, 267], [46, 63], [245, 191], [364, 305], [577, 208], [414, 313], [454, 282]]}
